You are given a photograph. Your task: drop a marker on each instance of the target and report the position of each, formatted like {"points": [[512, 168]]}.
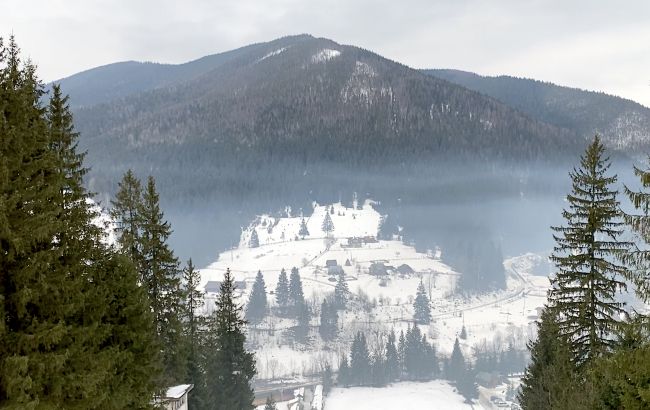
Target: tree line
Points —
{"points": [[85, 323]]}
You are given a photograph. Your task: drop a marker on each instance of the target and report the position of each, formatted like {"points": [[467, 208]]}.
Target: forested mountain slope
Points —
{"points": [[623, 124]]}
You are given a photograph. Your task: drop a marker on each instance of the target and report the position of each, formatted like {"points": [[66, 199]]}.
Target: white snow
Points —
{"points": [[380, 305], [325, 55], [273, 53], [407, 395], [176, 392]]}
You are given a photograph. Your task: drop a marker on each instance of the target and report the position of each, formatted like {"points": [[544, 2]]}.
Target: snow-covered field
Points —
{"points": [[379, 303], [436, 394]]}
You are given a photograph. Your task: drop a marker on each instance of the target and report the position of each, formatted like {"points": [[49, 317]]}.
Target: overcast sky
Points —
{"points": [[593, 44]]}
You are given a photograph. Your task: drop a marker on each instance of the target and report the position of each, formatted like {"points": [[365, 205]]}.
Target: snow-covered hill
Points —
{"points": [[381, 303]]}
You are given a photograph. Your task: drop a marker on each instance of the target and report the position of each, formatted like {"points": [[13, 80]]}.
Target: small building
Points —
{"points": [[405, 269], [176, 397], [354, 243], [378, 269], [333, 268]]}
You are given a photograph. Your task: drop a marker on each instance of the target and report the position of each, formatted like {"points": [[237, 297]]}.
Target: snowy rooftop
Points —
{"points": [[176, 392]]}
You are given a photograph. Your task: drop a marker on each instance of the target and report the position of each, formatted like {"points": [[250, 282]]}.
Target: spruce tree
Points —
{"points": [[422, 314], [638, 258], [302, 326], [256, 307], [72, 314], [328, 321], [550, 379], [255, 240], [360, 361], [160, 275], [327, 379], [588, 273], [296, 296], [229, 367], [463, 333], [126, 215], [194, 323], [303, 229], [343, 378], [327, 226], [341, 293], [282, 291], [456, 363], [466, 384], [392, 358]]}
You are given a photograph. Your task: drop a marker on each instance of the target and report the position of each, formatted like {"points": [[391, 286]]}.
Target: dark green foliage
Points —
{"points": [[327, 226], [341, 293], [327, 379], [586, 251], [420, 361], [463, 333], [126, 214], [456, 363], [360, 370], [392, 359], [229, 367], [551, 379], [282, 290], [270, 404], [303, 317], [194, 324], [160, 276], [422, 314], [74, 320], [255, 240], [638, 258], [466, 384], [296, 296], [328, 321], [303, 229], [378, 371], [343, 378], [256, 307]]}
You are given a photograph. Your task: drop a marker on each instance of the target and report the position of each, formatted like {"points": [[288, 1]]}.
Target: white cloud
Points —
{"points": [[589, 44]]}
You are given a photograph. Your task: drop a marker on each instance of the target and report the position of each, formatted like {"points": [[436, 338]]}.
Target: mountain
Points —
{"points": [[624, 124], [302, 119], [302, 100]]}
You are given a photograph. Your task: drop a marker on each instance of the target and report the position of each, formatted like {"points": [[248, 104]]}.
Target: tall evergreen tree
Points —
{"points": [[328, 321], [422, 314], [303, 316], [588, 275], [392, 358], [341, 293], [126, 214], [327, 379], [194, 324], [303, 229], [255, 240], [296, 296], [327, 226], [72, 314], [551, 377], [230, 368], [343, 378], [256, 307], [638, 257], [456, 363], [282, 290], [360, 361], [160, 275], [466, 384]]}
